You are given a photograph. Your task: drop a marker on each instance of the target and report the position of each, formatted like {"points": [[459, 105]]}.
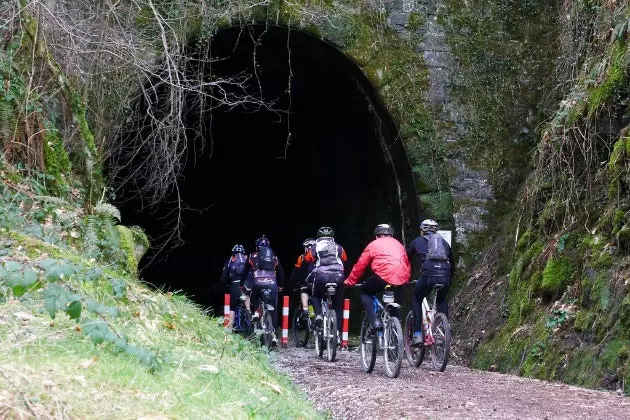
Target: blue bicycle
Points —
{"points": [[243, 324], [389, 340]]}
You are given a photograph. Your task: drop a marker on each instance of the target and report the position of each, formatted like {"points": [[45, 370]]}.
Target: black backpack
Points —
{"points": [[266, 259], [437, 249]]}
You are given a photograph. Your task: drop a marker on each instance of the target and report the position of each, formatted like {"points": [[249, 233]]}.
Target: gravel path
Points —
{"points": [[343, 390]]}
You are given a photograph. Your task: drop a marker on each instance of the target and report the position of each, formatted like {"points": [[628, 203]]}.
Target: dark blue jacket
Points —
{"points": [[418, 248]]}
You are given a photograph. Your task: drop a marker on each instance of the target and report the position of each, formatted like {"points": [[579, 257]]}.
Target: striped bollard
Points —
{"points": [[226, 310], [285, 322], [346, 324]]}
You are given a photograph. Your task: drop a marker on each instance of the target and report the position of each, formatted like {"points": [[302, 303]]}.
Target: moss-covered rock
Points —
{"points": [[557, 275]]}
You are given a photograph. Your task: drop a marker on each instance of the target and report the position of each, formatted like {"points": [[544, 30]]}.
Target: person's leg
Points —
{"points": [[372, 285], [235, 294], [418, 294], [398, 298], [441, 302]]}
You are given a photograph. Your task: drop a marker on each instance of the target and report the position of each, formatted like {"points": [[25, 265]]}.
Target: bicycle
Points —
{"points": [[243, 324], [390, 340], [326, 336], [265, 322], [302, 323], [436, 334]]}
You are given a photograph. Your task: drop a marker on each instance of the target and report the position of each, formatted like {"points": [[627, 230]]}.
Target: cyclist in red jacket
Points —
{"points": [[388, 260]]}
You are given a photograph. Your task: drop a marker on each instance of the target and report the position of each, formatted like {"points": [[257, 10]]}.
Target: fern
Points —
{"points": [[53, 200], [107, 209], [7, 120], [90, 237]]}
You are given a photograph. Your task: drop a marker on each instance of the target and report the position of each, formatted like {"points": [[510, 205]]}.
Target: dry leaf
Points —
{"points": [[136, 314], [273, 386], [87, 363], [23, 316], [169, 325], [209, 368]]}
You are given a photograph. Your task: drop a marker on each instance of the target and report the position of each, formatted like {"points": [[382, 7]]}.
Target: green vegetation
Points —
{"points": [[78, 326]]}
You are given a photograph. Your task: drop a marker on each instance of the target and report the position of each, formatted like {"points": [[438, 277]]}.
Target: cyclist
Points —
{"points": [[301, 274], [388, 260], [265, 273], [235, 269], [435, 259], [328, 258]]}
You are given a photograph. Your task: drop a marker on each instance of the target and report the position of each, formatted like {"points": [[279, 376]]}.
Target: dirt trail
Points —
{"points": [[345, 391]]}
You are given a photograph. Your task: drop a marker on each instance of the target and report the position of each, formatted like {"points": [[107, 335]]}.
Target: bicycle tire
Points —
{"points": [[367, 346], [413, 354], [441, 348], [268, 330], [331, 339], [300, 328], [393, 351]]}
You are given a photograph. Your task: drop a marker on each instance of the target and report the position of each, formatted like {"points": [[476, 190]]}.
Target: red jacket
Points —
{"points": [[387, 259]]}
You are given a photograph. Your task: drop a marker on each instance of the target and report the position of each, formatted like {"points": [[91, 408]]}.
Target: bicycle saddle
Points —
{"points": [[266, 294]]}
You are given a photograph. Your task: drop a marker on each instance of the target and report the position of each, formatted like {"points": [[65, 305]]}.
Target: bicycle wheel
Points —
{"points": [[367, 346], [300, 328], [268, 330], [441, 349], [393, 352], [331, 336], [414, 354]]}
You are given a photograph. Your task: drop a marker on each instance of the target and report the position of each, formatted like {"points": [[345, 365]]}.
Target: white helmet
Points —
{"points": [[429, 225]]}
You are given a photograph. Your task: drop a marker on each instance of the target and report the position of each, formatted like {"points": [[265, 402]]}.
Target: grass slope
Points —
{"points": [[166, 358]]}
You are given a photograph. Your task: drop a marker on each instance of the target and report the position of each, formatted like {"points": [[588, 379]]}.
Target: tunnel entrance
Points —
{"points": [[344, 167]]}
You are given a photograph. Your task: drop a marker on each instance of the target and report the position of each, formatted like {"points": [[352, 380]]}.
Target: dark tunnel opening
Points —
{"points": [[345, 166]]}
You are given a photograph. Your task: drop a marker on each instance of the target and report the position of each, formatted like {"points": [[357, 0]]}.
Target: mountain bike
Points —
{"points": [[265, 323], [302, 323], [436, 334], [243, 324], [389, 340], [326, 336]]}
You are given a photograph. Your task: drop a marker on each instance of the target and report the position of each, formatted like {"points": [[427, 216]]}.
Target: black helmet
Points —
{"points": [[325, 232], [384, 230], [238, 248], [308, 242], [429, 225], [262, 241]]}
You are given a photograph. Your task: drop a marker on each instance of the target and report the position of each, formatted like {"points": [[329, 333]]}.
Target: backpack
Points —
{"points": [[237, 264], [266, 259], [437, 248], [327, 252]]}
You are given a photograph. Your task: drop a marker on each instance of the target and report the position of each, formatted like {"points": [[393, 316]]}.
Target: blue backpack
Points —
{"points": [[238, 264]]}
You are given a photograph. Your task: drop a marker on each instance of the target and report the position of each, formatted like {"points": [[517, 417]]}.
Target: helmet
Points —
{"points": [[238, 248], [308, 242], [262, 241], [325, 232], [384, 229], [429, 225]]}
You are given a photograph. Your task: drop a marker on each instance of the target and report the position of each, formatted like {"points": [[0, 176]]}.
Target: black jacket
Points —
{"points": [[418, 248]]}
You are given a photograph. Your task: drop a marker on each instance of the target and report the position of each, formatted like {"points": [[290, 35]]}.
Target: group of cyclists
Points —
{"points": [[323, 261]]}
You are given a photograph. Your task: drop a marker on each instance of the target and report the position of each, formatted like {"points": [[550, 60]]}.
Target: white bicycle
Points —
{"points": [[436, 334]]}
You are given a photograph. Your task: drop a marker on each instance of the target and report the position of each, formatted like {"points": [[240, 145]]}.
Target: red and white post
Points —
{"points": [[226, 310], [285, 322], [346, 324]]}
